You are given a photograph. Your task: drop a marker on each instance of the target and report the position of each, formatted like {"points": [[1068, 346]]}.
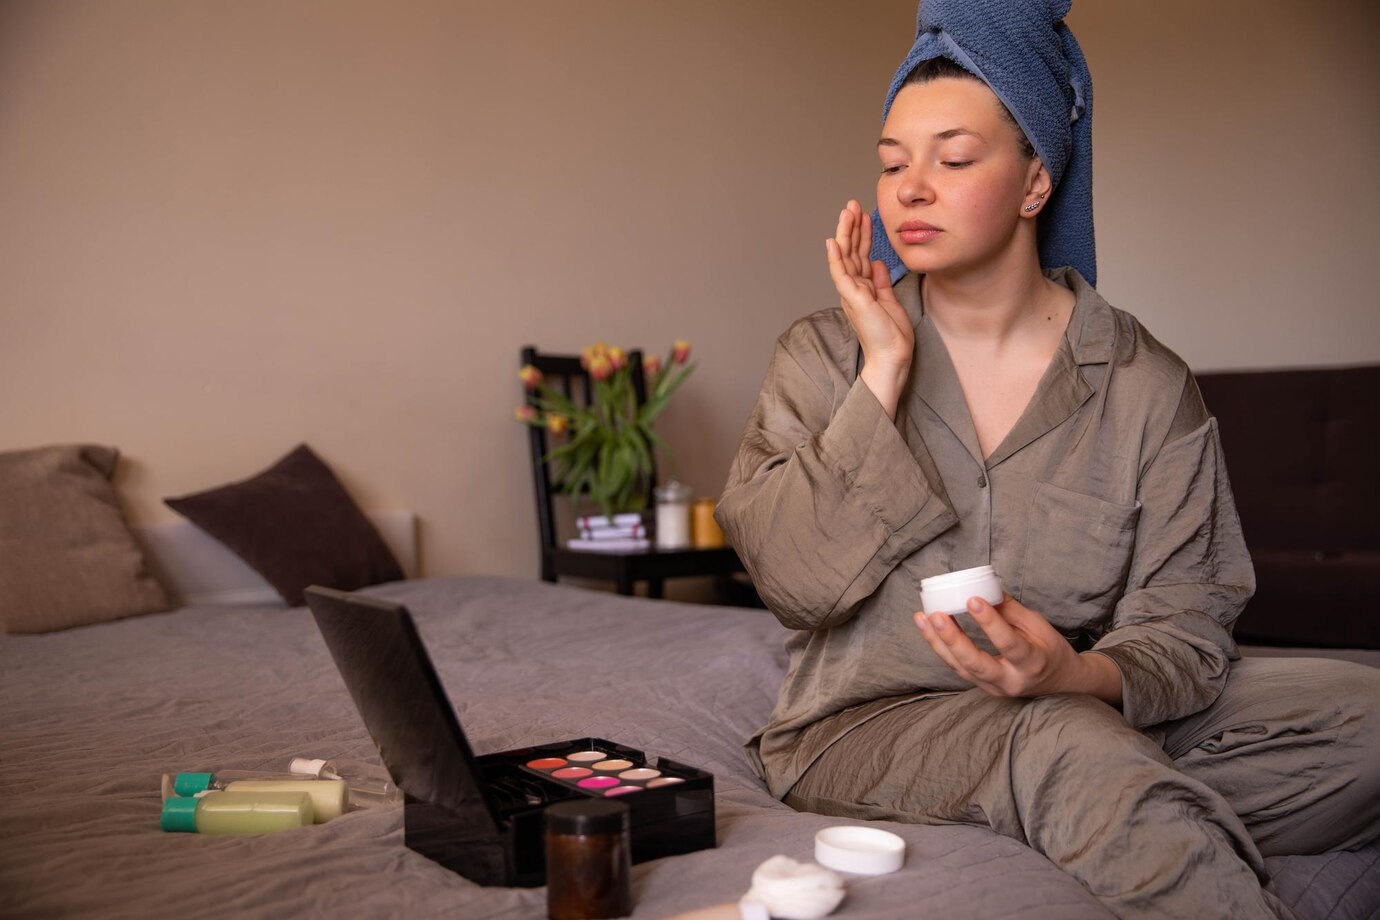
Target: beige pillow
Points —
{"points": [[67, 557]]}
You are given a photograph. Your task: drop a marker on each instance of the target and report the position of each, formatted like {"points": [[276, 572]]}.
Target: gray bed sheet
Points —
{"points": [[91, 717]]}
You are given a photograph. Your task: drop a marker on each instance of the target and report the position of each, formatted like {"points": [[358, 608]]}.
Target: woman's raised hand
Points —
{"points": [[882, 326]]}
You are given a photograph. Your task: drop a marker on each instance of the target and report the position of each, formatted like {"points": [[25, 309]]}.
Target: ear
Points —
{"points": [[1038, 186]]}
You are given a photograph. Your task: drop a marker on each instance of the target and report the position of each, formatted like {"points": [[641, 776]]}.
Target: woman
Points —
{"points": [[978, 404]]}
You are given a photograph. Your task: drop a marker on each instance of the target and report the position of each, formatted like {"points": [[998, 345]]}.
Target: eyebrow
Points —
{"points": [[941, 136]]}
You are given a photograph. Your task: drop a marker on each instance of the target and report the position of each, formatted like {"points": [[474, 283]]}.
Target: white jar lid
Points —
{"points": [[961, 577], [860, 850]]}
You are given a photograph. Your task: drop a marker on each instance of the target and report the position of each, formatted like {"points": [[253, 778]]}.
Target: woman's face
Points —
{"points": [[951, 160]]}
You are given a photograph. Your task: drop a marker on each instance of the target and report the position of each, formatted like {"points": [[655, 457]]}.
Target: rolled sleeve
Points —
{"points": [[821, 504], [1190, 578]]}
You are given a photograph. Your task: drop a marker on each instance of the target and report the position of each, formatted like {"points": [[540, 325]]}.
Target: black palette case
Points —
{"points": [[483, 816]]}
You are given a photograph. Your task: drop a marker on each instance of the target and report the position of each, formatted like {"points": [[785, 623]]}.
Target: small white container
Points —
{"points": [[673, 516], [860, 850], [949, 593]]}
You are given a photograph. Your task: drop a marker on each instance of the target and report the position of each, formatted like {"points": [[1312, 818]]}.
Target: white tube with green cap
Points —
{"points": [[368, 785]]}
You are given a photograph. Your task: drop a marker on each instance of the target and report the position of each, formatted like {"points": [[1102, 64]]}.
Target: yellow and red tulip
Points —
{"points": [[590, 352], [618, 358], [525, 413], [680, 351], [651, 365], [529, 376], [600, 367], [556, 423]]}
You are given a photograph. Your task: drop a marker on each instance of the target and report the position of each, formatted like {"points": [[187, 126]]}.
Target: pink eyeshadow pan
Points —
{"points": [[571, 773], [623, 790], [546, 763], [597, 782]]}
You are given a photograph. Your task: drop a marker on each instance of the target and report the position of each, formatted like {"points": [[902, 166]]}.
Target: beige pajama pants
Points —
{"points": [[1172, 822]]}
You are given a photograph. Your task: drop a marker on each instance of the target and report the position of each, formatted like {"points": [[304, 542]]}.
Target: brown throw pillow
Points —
{"points": [[295, 525], [67, 556]]}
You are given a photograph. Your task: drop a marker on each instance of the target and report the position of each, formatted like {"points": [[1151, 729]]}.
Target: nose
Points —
{"points": [[915, 187]]}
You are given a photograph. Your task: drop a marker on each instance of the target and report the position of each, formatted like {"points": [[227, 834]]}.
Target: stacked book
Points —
{"points": [[618, 534]]}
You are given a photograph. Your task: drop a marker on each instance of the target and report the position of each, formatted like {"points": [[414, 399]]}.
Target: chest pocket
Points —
{"points": [[1077, 556]]}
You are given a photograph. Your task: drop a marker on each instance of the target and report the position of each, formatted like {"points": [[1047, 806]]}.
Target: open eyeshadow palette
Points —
{"points": [[484, 816], [584, 767], [671, 805]]}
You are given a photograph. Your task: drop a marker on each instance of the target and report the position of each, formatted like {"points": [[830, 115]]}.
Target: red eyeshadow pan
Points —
{"points": [[546, 763], [571, 772]]}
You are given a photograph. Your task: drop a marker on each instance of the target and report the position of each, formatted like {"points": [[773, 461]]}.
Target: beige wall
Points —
{"points": [[1237, 195], [229, 227]]}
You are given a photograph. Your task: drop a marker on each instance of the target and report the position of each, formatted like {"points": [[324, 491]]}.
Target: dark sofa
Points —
{"points": [[1303, 453]]}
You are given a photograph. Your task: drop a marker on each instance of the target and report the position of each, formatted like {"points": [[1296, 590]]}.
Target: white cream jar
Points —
{"points": [[949, 593]]}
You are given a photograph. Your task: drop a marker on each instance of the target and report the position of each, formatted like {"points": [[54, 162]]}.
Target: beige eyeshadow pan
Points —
{"points": [[664, 781], [640, 773]]}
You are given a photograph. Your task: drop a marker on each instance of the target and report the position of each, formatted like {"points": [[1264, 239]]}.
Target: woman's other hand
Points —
{"points": [[883, 328], [1033, 658]]}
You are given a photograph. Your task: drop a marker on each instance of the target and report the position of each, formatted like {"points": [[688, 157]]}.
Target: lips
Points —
{"points": [[917, 231]]}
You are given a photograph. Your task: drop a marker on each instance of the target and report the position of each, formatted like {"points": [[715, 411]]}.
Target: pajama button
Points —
{"points": [[982, 480]]}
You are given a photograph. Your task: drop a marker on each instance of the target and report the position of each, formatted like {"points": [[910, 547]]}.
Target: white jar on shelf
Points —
{"points": [[673, 516]]}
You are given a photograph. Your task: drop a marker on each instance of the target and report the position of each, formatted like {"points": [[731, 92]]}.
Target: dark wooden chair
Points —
{"points": [[625, 569]]}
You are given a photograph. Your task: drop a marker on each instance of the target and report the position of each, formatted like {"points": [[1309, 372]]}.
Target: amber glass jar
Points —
{"points": [[588, 860]]}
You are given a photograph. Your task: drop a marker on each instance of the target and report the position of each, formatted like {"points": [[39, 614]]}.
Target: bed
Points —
{"points": [[92, 717]]}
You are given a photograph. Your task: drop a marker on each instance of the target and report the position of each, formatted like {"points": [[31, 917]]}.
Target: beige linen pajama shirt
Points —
{"points": [[1108, 510]]}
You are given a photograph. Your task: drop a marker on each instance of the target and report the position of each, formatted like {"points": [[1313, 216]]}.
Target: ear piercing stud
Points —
{"points": [[1032, 207]]}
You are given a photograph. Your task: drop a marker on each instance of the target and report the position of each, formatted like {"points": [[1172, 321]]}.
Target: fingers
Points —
{"points": [[1026, 621], [865, 251], [844, 236], [851, 295], [859, 260], [883, 293], [1011, 644], [881, 281], [854, 237], [886, 296], [957, 650], [850, 246], [939, 646], [837, 270]]}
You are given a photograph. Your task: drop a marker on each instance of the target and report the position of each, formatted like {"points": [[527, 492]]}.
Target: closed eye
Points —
{"points": [[890, 170], [958, 164]]}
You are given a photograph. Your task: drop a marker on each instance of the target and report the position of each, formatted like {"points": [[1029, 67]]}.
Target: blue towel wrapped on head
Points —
{"points": [[1022, 50]]}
